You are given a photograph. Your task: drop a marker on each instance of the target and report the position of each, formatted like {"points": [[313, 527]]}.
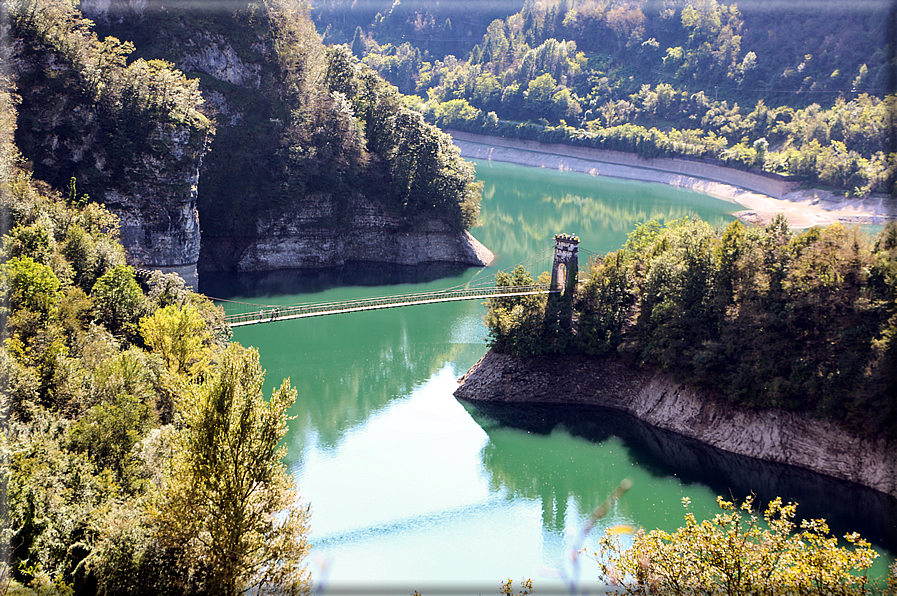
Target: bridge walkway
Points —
{"points": [[301, 311]]}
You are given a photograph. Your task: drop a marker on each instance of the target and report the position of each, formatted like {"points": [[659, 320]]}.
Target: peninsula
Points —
{"points": [[765, 342]]}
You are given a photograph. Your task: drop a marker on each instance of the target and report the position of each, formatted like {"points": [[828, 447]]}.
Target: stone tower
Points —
{"points": [[566, 263]]}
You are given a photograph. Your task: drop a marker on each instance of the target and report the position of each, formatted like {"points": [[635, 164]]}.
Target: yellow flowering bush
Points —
{"points": [[738, 553]]}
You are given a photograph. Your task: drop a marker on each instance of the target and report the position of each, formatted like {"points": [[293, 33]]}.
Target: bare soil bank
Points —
{"points": [[780, 436], [763, 196]]}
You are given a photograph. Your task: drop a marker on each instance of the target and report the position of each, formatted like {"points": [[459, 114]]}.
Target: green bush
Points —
{"points": [[118, 300]]}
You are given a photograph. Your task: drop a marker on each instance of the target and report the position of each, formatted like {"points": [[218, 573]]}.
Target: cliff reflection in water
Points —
{"points": [[555, 476], [226, 285]]}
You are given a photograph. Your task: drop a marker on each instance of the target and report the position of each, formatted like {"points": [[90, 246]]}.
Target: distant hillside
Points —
{"points": [[796, 53], [789, 88], [436, 28]]}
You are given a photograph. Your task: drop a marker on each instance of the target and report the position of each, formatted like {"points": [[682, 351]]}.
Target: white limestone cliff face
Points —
{"points": [[211, 54], [771, 435], [305, 237], [150, 184]]}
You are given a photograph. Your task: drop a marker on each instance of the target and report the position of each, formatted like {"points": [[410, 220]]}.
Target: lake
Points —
{"points": [[411, 490]]}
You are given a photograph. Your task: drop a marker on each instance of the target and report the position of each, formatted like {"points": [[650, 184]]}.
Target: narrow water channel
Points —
{"points": [[411, 489]]}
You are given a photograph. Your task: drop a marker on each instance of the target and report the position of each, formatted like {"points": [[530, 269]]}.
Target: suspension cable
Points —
{"points": [[486, 281]]}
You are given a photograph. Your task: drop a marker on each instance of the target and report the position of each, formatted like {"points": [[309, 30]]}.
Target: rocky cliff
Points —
{"points": [[653, 397], [146, 170], [304, 237], [284, 185]]}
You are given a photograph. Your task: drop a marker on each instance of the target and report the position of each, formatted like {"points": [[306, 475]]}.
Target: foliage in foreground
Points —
{"points": [[765, 316], [739, 554], [138, 455], [228, 486]]}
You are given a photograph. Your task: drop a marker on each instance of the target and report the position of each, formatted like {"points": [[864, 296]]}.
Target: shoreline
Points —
{"points": [[653, 397], [762, 196]]}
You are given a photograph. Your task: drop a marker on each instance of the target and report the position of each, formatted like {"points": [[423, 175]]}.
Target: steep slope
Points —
{"points": [[316, 161], [130, 135], [654, 397]]}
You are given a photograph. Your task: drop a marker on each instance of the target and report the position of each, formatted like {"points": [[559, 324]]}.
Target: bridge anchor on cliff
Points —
{"points": [[565, 269]]}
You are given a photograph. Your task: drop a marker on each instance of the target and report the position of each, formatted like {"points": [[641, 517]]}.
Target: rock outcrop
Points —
{"points": [[146, 171], [253, 219], [780, 436], [303, 238], [132, 136]]}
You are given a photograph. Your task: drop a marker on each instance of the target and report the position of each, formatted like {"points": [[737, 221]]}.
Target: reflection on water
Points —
{"points": [[311, 281], [406, 486], [349, 366], [847, 507], [523, 208]]}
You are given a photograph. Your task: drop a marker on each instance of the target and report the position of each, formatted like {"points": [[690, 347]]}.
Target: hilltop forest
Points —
{"points": [[764, 317], [238, 111], [787, 88], [295, 118]]}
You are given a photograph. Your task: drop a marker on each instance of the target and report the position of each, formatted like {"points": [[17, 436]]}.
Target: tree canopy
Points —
{"points": [[785, 89], [766, 317], [139, 455]]}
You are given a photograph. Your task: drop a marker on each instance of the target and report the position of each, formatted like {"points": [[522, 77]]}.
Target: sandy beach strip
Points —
{"points": [[761, 197]]}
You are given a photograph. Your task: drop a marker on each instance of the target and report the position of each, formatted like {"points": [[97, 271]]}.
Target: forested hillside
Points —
{"points": [[181, 119], [295, 119], [128, 130], [764, 317], [799, 90], [138, 455]]}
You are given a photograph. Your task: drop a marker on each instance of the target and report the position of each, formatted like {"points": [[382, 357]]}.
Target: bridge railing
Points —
{"points": [[326, 308]]}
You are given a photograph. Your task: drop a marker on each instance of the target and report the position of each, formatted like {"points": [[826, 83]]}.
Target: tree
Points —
{"points": [[539, 94], [358, 43], [178, 335], [108, 432], [119, 300], [516, 322], [738, 554], [29, 285], [603, 305], [228, 501]]}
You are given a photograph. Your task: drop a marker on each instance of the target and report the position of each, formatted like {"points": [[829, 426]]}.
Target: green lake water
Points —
{"points": [[410, 488]]}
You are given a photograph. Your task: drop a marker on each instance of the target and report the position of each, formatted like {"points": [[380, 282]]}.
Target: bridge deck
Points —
{"points": [[301, 311]]}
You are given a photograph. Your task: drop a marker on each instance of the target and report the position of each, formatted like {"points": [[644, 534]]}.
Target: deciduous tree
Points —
{"points": [[228, 501], [737, 553]]}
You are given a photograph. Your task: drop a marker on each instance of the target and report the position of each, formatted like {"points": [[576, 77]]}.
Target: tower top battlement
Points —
{"points": [[566, 262], [567, 238]]}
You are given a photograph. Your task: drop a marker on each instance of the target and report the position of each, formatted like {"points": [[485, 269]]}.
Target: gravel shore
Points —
{"points": [[756, 198]]}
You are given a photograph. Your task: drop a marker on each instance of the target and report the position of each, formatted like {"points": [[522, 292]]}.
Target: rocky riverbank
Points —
{"points": [[763, 196], [779, 436], [305, 237]]}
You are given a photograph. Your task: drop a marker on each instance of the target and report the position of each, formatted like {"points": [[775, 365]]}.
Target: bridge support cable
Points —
{"points": [[301, 311], [543, 258], [472, 289]]}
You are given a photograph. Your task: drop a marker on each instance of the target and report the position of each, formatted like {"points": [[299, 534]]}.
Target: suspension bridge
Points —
{"points": [[564, 260]]}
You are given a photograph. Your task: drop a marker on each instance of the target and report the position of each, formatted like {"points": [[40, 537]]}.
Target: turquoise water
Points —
{"points": [[410, 488]]}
